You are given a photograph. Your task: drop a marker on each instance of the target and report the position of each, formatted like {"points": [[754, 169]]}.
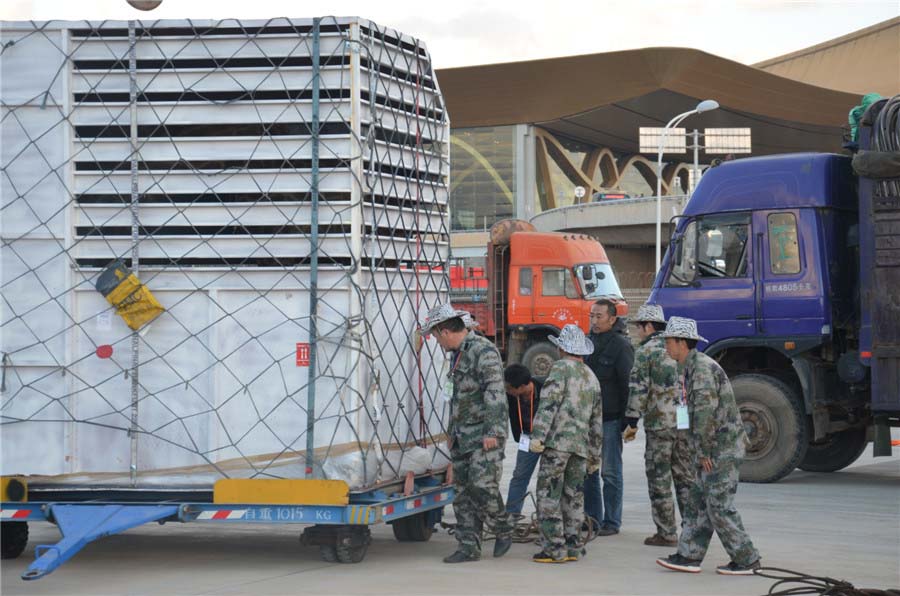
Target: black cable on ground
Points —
{"points": [[790, 583]]}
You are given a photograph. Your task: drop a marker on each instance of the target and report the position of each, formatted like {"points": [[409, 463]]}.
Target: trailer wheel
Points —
{"points": [[839, 451], [351, 554], [540, 357], [13, 539], [414, 528], [328, 553], [775, 425]]}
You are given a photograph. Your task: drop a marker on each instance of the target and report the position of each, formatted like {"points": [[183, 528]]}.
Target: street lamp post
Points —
{"points": [[704, 106]]}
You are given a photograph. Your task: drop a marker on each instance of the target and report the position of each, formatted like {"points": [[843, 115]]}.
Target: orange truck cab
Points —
{"points": [[539, 282]]}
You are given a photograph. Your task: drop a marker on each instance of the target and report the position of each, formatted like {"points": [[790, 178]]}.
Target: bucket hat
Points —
{"points": [[650, 313], [442, 313], [683, 328], [572, 341]]}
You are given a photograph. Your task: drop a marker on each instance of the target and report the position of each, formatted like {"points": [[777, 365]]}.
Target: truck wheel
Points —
{"points": [[414, 528], [13, 538], [540, 357], [836, 453], [775, 424]]}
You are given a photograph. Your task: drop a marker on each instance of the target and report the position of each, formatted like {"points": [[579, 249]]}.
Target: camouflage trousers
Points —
{"points": [[710, 507], [476, 479], [667, 460], [560, 501]]}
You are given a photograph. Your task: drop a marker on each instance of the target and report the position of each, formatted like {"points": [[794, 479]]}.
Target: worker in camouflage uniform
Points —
{"points": [[568, 432], [717, 442], [654, 396], [476, 432]]}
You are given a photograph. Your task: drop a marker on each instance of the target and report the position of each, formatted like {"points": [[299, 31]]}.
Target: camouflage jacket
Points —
{"points": [[655, 385], [569, 417], [716, 429], [478, 407]]}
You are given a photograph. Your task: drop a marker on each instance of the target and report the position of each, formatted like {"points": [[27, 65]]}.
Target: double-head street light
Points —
{"points": [[704, 106]]}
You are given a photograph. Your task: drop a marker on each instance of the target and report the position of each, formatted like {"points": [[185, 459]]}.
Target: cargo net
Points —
{"points": [[251, 313]]}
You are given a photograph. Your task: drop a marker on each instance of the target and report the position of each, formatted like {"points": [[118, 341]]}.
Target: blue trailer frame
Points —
{"points": [[344, 526]]}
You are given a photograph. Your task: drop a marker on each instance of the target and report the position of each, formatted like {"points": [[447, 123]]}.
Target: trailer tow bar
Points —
{"points": [[81, 524]]}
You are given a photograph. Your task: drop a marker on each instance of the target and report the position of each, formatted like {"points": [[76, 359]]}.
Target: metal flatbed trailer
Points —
{"points": [[337, 520]]}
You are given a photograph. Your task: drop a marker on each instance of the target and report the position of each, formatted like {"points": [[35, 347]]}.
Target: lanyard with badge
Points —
{"points": [[448, 382], [525, 439], [682, 421]]}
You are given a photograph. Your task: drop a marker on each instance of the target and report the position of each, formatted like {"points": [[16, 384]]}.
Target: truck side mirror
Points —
{"points": [[587, 272]]}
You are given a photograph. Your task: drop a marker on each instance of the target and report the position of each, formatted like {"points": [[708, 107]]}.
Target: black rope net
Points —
{"points": [[279, 188]]}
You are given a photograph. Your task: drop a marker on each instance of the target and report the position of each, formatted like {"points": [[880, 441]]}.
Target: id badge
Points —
{"points": [[524, 443], [682, 422], [447, 393]]}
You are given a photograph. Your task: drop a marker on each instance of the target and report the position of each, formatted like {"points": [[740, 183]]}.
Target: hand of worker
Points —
{"points": [[490, 443], [536, 446], [593, 466], [629, 434], [706, 463]]}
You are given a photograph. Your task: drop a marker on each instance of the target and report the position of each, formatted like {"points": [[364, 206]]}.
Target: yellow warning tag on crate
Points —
{"points": [[133, 300]]}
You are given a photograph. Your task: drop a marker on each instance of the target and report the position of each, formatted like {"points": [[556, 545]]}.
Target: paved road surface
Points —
{"points": [[844, 525]]}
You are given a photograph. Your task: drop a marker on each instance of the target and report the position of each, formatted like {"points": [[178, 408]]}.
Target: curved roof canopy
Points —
{"points": [[603, 99], [863, 61]]}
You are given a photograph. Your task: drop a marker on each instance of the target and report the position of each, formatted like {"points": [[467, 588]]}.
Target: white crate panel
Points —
{"points": [[185, 47], [243, 112], [180, 182], [213, 149]]}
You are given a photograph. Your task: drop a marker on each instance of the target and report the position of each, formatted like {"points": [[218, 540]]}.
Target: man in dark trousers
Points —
{"points": [[523, 394], [611, 362]]}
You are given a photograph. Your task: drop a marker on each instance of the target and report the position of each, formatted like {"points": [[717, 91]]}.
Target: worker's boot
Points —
{"points": [[501, 545], [461, 557], [659, 540]]}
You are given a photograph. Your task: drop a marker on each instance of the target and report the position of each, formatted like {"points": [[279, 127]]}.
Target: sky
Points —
{"points": [[467, 32]]}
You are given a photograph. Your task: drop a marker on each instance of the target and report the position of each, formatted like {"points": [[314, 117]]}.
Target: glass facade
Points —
{"points": [[483, 178], [519, 171]]}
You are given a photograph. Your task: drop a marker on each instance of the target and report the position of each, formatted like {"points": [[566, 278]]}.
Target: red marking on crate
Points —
{"points": [[388, 510], [302, 354]]}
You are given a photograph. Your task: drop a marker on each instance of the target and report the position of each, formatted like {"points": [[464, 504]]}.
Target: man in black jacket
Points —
{"points": [[611, 362], [523, 393]]}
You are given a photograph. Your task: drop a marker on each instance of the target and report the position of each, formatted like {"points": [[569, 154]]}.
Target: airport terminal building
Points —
{"points": [[524, 135]]}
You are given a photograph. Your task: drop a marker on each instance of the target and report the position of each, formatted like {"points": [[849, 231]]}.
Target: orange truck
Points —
{"points": [[536, 282]]}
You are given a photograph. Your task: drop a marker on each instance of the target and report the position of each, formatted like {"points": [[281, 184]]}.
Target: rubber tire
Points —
{"points": [[784, 412], [13, 539], [536, 356], [841, 450], [328, 553], [414, 528], [351, 554]]}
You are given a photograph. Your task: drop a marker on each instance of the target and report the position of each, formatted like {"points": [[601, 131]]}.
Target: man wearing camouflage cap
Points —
{"points": [[654, 396], [476, 432], [568, 432], [718, 441]]}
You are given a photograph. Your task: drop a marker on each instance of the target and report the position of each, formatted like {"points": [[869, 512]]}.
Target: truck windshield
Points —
{"points": [[597, 280]]}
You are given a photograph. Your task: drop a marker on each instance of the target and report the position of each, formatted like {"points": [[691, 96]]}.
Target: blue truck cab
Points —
{"points": [[776, 259]]}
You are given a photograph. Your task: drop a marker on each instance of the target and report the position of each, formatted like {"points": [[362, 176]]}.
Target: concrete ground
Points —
{"points": [[844, 525]]}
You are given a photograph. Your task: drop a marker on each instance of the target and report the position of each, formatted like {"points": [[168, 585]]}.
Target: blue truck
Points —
{"points": [[791, 266]]}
